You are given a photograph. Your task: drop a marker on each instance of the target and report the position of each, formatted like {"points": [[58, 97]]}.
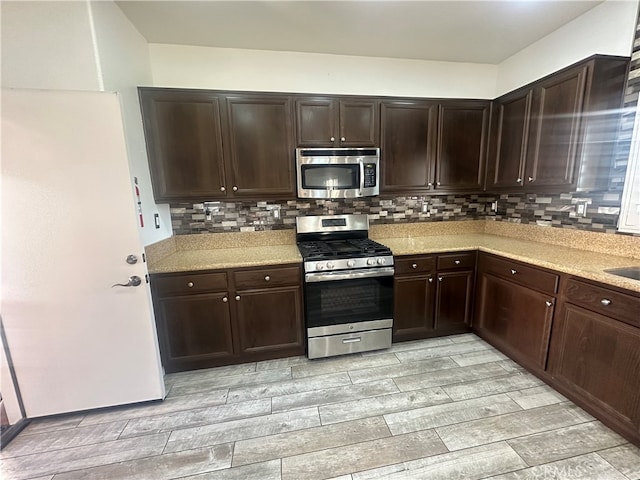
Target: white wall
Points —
{"points": [[607, 29], [47, 45], [124, 61], [238, 69]]}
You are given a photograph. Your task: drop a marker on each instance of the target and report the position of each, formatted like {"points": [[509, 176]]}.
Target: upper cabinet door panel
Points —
{"points": [[184, 143], [509, 140], [359, 123], [554, 130], [461, 151], [316, 122], [260, 149], [408, 134]]}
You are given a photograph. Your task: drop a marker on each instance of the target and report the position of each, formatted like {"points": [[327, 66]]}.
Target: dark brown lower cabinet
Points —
{"points": [[595, 354], [207, 319], [433, 295], [514, 308]]}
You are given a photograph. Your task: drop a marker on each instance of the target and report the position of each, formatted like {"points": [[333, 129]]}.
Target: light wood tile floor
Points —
{"points": [[447, 408]]}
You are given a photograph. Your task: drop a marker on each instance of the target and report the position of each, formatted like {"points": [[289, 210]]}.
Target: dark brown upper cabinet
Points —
{"points": [[205, 145], [463, 127], [558, 134], [260, 148], [337, 122], [408, 145], [184, 143], [431, 147]]}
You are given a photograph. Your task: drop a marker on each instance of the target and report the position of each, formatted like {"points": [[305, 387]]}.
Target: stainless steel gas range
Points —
{"points": [[348, 285]]}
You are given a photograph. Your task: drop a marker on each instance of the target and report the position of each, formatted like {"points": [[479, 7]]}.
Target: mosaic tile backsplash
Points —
{"points": [[601, 215]]}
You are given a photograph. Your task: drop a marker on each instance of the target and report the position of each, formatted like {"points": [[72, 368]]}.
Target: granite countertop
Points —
{"points": [[573, 261]]}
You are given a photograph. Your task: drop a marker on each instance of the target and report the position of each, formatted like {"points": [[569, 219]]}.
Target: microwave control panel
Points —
{"points": [[370, 179]]}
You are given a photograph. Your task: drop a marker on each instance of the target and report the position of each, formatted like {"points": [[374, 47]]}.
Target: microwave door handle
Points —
{"points": [[361, 175]]}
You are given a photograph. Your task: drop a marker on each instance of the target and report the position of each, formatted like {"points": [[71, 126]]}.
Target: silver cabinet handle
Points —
{"points": [[430, 280], [605, 302], [134, 281], [518, 180], [225, 299], [457, 262], [438, 184], [530, 179], [414, 265], [132, 259], [439, 279], [342, 139], [234, 188], [429, 184], [513, 272], [237, 298], [548, 303], [222, 189], [190, 284], [267, 278], [333, 139]]}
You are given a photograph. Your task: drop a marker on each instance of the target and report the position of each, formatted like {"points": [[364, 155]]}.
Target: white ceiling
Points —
{"points": [[458, 31]]}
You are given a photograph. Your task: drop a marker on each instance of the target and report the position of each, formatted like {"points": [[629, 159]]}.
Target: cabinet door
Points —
{"points": [[194, 331], [515, 318], [184, 144], [598, 358], [316, 122], [413, 307], [408, 146], [509, 140], [454, 294], [270, 320], [260, 146], [461, 150], [359, 123], [554, 131]]}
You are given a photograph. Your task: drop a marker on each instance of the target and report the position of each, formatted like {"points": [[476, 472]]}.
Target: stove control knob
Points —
{"points": [[319, 266], [351, 263], [330, 265], [381, 261], [371, 261]]}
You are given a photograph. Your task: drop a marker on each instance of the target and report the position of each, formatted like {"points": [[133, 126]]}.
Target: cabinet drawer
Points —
{"points": [[457, 260], [607, 302], [419, 264], [185, 284], [266, 277], [520, 273]]}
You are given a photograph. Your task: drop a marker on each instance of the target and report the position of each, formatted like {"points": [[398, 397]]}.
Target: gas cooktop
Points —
{"points": [[347, 248]]}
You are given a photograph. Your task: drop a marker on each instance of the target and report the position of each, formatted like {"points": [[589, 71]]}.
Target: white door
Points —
{"points": [[68, 225]]}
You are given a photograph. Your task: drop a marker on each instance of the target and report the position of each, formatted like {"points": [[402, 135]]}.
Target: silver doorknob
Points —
{"points": [[222, 189], [134, 281], [132, 259], [234, 188], [237, 298], [605, 302], [333, 139]]}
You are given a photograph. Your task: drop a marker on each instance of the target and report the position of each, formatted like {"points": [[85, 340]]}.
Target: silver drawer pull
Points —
{"points": [[352, 340], [415, 265], [190, 284], [237, 298], [225, 299], [548, 303], [605, 302], [513, 272], [439, 279], [457, 262], [267, 278], [430, 280]]}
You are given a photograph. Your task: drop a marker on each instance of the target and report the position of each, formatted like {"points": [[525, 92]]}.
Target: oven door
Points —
{"points": [[342, 302]]}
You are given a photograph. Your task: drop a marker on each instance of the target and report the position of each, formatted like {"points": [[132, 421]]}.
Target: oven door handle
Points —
{"points": [[349, 275]]}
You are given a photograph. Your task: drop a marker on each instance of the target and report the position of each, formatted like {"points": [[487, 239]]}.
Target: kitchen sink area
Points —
{"points": [[627, 272]]}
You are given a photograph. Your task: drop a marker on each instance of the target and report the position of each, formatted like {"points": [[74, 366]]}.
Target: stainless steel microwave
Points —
{"points": [[338, 172]]}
